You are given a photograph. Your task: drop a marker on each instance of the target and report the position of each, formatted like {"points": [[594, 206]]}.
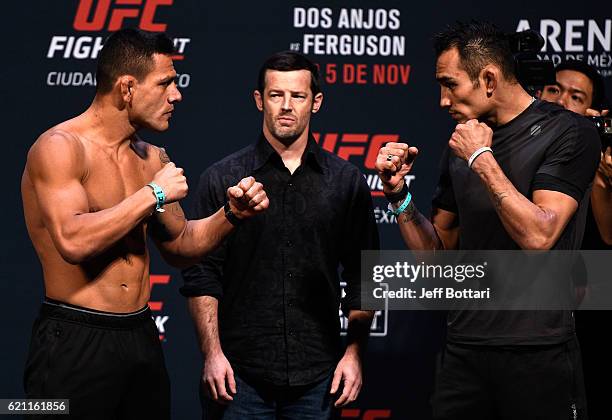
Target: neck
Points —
{"points": [[511, 101], [108, 125], [290, 152]]}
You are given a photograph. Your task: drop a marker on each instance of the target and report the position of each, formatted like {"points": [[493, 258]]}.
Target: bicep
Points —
{"points": [[166, 228], [446, 224]]}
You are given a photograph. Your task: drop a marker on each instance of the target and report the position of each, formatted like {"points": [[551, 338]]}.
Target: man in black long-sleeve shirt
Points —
{"points": [[265, 305]]}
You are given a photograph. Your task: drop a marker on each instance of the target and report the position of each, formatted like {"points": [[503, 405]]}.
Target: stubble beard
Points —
{"points": [[286, 135]]}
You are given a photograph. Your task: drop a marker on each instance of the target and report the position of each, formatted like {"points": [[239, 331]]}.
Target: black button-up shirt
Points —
{"points": [[276, 276]]}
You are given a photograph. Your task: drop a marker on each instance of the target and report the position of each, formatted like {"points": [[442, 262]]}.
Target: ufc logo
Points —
{"points": [[157, 279], [84, 21], [355, 145]]}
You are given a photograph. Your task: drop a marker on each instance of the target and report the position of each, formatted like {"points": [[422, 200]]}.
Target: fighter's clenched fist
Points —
{"points": [[247, 198], [172, 181], [469, 137], [394, 161]]}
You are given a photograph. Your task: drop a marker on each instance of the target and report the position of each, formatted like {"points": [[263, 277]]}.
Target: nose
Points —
{"points": [[286, 105], [445, 101], [562, 100], [175, 95]]}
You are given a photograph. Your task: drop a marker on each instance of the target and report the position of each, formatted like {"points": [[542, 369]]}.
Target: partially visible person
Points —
{"points": [[92, 190], [507, 182], [580, 88], [265, 304]]}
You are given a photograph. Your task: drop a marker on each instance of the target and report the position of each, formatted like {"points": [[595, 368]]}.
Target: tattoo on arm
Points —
{"points": [[410, 214], [175, 210], [163, 156], [498, 198], [160, 230]]}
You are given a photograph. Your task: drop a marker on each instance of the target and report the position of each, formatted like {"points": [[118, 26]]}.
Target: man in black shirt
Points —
{"points": [[580, 89], [266, 304], [513, 177]]}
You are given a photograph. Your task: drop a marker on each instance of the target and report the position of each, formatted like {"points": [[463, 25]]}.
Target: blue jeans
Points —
{"points": [[310, 402]]}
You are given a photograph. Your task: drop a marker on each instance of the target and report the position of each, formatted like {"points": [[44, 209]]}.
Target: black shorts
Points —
{"points": [[110, 366], [509, 383]]}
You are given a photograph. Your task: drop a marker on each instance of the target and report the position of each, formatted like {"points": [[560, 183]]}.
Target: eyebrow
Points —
{"points": [[571, 89], [167, 78], [292, 91], [445, 79]]}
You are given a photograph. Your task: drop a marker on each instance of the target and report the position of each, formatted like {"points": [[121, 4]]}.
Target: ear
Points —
{"points": [[126, 87], [490, 77], [316, 102], [258, 100]]}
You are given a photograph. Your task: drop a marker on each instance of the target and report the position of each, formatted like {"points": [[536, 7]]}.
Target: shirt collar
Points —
{"points": [[313, 154]]}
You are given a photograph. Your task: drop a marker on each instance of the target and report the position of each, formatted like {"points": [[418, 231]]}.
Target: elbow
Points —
{"points": [[607, 238], [542, 235], [176, 257], [538, 243], [179, 262], [73, 245], [73, 257], [74, 253]]}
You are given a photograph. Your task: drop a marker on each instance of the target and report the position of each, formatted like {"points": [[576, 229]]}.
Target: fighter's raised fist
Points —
{"points": [[172, 182], [469, 137], [247, 198], [393, 162]]}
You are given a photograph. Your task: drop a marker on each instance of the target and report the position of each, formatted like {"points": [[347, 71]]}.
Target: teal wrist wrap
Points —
{"points": [[160, 196], [401, 208]]}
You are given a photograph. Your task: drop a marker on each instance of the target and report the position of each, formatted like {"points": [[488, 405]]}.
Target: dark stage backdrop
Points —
{"points": [[377, 67]]}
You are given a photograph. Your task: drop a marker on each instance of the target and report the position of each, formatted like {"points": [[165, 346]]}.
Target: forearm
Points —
{"points": [[184, 242], [88, 234], [358, 331], [530, 226], [204, 310], [601, 203], [416, 230]]}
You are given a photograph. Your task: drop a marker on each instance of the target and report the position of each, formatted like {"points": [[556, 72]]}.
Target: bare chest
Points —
{"points": [[109, 180]]}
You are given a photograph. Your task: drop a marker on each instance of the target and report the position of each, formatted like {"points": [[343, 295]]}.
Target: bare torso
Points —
{"points": [[117, 279]]}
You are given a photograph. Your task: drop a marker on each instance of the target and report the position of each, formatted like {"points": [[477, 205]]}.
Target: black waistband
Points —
{"points": [[60, 310]]}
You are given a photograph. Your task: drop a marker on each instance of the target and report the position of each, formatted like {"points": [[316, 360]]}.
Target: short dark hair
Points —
{"points": [[478, 44], [129, 51], [599, 94], [289, 61]]}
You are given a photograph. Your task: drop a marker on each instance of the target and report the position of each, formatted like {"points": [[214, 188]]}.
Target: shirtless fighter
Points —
{"points": [[92, 190]]}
